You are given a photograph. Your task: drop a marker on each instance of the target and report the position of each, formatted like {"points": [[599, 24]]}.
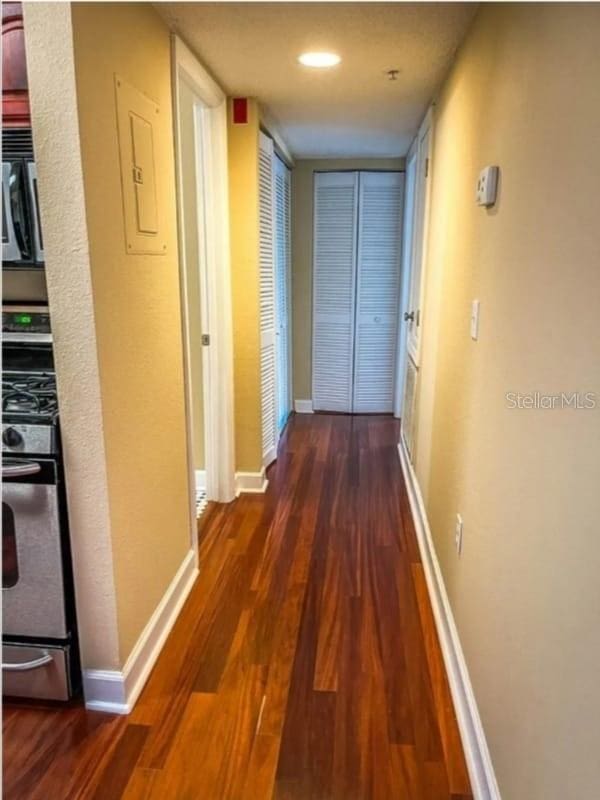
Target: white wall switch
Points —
{"points": [[458, 533], [475, 320], [487, 184]]}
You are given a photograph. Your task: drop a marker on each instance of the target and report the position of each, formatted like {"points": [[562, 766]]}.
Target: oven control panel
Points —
{"points": [[25, 319], [26, 439]]}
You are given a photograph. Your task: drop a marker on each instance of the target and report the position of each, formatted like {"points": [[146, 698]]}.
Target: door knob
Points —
{"points": [[408, 316]]}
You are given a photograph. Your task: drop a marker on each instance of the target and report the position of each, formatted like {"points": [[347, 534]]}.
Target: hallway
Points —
{"points": [[305, 663]]}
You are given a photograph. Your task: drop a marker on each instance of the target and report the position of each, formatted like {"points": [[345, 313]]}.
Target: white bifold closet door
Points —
{"points": [[267, 299], [377, 290], [283, 258], [357, 248], [334, 284]]}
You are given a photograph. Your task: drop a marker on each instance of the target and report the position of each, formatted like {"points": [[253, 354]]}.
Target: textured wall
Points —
{"points": [[523, 94], [302, 254], [56, 131], [137, 312], [243, 209]]}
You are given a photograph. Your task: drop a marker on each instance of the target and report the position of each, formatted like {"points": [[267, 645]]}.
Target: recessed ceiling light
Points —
{"points": [[319, 60]]}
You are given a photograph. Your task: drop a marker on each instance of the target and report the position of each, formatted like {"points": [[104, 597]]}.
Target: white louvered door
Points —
{"points": [[267, 300], [356, 287], [334, 284], [377, 290], [282, 290]]}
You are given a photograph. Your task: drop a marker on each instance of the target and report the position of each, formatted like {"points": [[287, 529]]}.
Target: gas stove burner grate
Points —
{"points": [[29, 394]]}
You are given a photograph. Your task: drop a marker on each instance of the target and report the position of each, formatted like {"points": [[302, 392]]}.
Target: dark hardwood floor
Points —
{"points": [[304, 665]]}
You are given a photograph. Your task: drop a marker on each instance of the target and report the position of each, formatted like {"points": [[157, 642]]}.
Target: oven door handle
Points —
{"points": [[25, 666], [20, 470], [18, 210]]}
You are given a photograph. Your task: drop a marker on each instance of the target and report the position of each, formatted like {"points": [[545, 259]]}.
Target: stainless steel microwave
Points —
{"points": [[22, 243]]}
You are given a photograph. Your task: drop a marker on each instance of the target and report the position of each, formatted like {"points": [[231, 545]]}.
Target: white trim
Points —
{"points": [[407, 229], [426, 128], [270, 456], [213, 229], [255, 482], [303, 406], [105, 690], [281, 170], [200, 475], [116, 691], [477, 755], [272, 128], [204, 84]]}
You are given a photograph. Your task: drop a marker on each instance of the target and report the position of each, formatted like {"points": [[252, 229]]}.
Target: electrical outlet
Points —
{"points": [[487, 184], [458, 534]]}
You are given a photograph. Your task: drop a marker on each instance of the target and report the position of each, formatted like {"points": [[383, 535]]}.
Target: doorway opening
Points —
{"points": [[200, 119], [418, 186]]}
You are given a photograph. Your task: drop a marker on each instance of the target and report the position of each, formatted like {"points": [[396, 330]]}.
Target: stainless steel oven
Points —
{"points": [[22, 244], [39, 634], [32, 568]]}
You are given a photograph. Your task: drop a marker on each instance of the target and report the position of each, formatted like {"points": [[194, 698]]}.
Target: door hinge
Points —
{"points": [[426, 167], [205, 339], [418, 317]]}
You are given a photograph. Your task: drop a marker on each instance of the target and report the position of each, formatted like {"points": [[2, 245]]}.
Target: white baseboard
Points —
{"points": [[250, 482], [269, 457], [116, 691], [477, 755], [303, 406], [200, 476]]}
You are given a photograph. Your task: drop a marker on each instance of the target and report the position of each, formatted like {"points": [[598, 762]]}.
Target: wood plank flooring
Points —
{"points": [[304, 666]]}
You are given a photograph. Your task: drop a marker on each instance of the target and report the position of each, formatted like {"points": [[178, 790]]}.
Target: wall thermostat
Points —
{"points": [[487, 184]]}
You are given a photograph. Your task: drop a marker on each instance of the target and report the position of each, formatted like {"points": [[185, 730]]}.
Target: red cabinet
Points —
{"points": [[15, 100]]}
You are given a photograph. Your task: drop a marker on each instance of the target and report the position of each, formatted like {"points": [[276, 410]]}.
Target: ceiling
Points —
{"points": [[352, 110]]}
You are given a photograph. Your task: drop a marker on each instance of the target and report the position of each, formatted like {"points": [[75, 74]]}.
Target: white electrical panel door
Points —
{"points": [[377, 290], [282, 289], [267, 300], [334, 287], [138, 119]]}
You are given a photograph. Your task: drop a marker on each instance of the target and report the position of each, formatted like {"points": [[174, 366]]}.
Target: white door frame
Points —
{"points": [[418, 249], [277, 160], [408, 235], [290, 299], [420, 243], [210, 121]]}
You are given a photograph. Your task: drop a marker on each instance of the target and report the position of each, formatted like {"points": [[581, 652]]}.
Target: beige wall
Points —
{"points": [[302, 234], [525, 592], [137, 313], [192, 266], [243, 209]]}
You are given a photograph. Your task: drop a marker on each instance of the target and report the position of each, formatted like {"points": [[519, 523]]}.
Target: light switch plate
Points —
{"points": [[458, 534], [487, 185], [475, 320]]}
